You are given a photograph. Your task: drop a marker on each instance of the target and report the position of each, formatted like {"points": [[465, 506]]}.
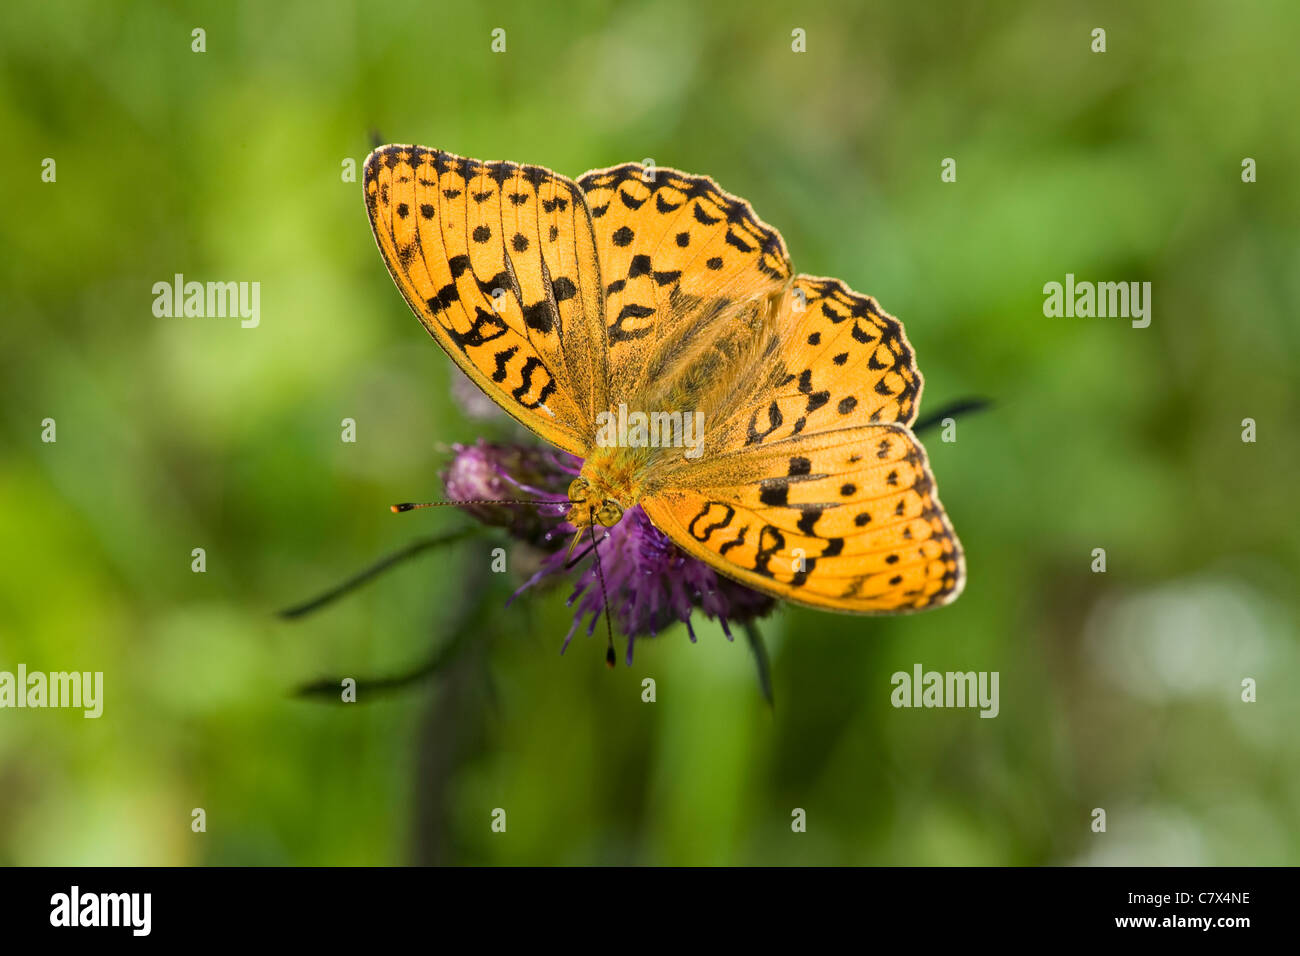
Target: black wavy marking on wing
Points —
{"points": [[530, 366]]}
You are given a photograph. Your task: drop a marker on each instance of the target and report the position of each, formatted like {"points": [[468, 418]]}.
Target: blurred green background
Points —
{"points": [[1118, 690]]}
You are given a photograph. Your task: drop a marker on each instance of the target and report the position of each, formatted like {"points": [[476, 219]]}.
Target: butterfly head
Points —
{"points": [[609, 484], [592, 504]]}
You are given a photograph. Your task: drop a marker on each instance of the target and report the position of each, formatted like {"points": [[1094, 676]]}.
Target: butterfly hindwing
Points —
{"points": [[845, 520], [499, 263]]}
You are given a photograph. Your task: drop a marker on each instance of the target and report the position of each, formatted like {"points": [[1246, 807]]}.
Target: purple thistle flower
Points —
{"points": [[482, 476], [650, 583], [473, 402]]}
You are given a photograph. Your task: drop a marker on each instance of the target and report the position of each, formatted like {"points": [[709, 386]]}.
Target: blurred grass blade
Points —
{"points": [[761, 661], [951, 410], [467, 620], [419, 546], [332, 686]]}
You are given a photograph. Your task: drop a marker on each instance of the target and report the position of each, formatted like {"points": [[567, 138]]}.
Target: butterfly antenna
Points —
{"points": [[610, 656], [417, 505]]}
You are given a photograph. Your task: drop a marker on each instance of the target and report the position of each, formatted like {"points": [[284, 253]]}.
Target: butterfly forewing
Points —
{"points": [[686, 267], [499, 263]]}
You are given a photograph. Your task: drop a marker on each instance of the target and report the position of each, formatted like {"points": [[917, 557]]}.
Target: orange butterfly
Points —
{"points": [[650, 290]]}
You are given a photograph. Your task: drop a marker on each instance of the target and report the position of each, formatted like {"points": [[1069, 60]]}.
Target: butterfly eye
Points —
{"points": [[609, 514], [578, 489]]}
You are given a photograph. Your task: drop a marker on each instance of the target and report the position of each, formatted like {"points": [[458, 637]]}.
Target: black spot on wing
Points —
{"points": [[563, 289], [664, 206], [703, 217]]}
